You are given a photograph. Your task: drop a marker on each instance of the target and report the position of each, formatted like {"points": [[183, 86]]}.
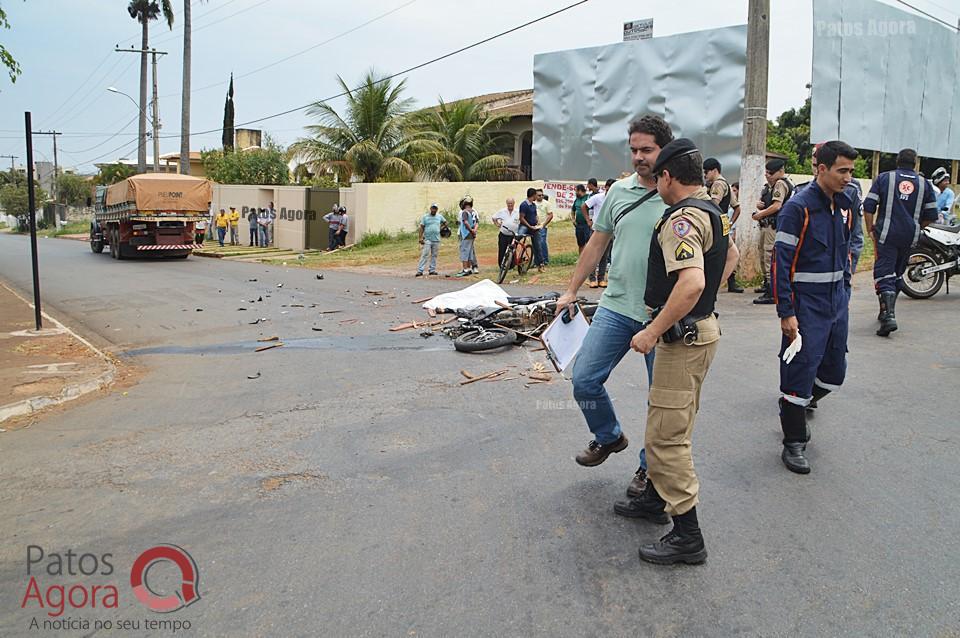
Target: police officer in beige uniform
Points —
{"points": [[723, 196], [774, 195], [690, 255]]}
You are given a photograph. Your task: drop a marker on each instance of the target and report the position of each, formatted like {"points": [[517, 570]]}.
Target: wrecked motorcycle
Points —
{"points": [[520, 319]]}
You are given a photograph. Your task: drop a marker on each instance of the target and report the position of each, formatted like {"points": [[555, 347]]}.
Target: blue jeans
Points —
{"points": [[544, 249], [264, 236], [606, 343], [221, 234]]}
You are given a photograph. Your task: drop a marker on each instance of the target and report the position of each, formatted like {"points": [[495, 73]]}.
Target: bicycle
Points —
{"points": [[519, 255]]}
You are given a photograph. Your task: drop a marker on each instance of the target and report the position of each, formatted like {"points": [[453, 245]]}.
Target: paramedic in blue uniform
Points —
{"points": [[811, 286], [899, 204]]}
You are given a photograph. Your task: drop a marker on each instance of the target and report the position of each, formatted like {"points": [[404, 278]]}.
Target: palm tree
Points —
{"points": [[143, 11], [470, 135], [372, 140], [185, 91]]}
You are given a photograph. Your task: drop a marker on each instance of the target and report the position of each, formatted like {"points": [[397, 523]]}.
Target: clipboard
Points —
{"points": [[563, 340]]}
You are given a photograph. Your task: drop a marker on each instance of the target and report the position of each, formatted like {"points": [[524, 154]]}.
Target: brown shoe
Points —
{"points": [[637, 485], [603, 284], [595, 454]]}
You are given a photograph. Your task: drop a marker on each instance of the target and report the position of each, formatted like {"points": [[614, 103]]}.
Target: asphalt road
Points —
{"points": [[356, 489]]}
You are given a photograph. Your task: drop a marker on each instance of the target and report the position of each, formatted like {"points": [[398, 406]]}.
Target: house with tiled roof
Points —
{"points": [[517, 106]]}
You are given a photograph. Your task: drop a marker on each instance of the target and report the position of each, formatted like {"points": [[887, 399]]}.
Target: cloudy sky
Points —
{"points": [[66, 50]]}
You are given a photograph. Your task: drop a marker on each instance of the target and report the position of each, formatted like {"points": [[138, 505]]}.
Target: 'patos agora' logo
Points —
{"points": [[188, 593]]}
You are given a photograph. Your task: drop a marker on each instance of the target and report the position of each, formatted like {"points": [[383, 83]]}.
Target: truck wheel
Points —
{"points": [[114, 253], [96, 245]]}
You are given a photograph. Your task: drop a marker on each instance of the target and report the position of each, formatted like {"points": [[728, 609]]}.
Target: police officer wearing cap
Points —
{"points": [[690, 255], [723, 196], [811, 269], [774, 195], [903, 203]]}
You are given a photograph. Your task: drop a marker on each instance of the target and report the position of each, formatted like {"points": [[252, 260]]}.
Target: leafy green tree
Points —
{"points": [[73, 190], [6, 58], [14, 198], [113, 173], [255, 166], [371, 140], [471, 138]]}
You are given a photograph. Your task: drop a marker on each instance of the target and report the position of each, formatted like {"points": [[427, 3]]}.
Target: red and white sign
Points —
{"points": [[562, 195], [906, 188]]}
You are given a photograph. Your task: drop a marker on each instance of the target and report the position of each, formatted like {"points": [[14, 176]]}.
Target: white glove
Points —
{"points": [[792, 349]]}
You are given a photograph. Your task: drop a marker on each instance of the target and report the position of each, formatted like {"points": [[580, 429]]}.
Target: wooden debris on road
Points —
{"points": [[374, 292], [265, 339], [489, 375], [269, 346], [424, 300]]}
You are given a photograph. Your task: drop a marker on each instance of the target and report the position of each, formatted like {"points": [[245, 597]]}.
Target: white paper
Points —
{"points": [[563, 340]]}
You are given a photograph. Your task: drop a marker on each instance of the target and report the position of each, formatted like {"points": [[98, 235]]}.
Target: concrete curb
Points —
{"points": [[70, 392]]}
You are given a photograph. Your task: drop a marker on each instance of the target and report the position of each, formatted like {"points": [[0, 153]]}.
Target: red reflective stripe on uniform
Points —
{"points": [[803, 233]]}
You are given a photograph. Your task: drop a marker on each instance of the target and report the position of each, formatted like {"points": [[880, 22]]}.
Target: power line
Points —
{"points": [[404, 72], [293, 55], [130, 143], [87, 150], [79, 87], [930, 15]]}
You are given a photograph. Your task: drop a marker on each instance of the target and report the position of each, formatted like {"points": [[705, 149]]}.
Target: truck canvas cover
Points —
{"points": [[155, 192]]}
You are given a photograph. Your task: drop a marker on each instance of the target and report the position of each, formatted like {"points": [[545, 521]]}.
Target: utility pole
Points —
{"points": [[754, 132], [156, 109], [32, 205], [56, 168], [12, 157], [156, 117]]}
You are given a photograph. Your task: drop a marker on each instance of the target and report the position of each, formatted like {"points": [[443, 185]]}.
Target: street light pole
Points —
{"points": [[32, 205], [156, 111]]}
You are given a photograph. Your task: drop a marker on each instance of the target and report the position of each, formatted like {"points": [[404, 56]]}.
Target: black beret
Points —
{"points": [[711, 163], [677, 148], [775, 165]]}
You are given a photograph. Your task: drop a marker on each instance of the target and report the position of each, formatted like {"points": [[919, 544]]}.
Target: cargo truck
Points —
{"points": [[150, 214]]}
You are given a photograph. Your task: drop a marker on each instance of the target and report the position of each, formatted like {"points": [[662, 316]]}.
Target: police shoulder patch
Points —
{"points": [[725, 221], [681, 227], [684, 251]]}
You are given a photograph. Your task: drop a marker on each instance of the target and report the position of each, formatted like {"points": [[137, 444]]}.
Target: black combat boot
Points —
{"points": [[818, 393], [648, 505], [732, 284], [888, 315], [682, 544], [883, 307], [767, 297], [762, 287], [793, 422]]}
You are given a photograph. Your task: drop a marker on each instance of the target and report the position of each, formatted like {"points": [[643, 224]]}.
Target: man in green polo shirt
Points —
{"points": [[629, 213]]}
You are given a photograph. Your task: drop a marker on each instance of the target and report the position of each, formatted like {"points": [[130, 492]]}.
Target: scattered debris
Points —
{"points": [[431, 312], [279, 285], [199, 309], [328, 312], [251, 279], [261, 298], [296, 305], [424, 300], [426, 334], [374, 292], [265, 339], [539, 367], [467, 374], [269, 346], [540, 376], [256, 321], [241, 308], [316, 329], [346, 321], [489, 375], [320, 276], [254, 376]]}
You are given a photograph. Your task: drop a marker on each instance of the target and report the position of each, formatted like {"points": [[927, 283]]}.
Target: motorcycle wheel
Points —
{"points": [[921, 287], [481, 340]]}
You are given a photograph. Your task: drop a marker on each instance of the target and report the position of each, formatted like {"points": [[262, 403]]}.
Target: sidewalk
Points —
{"points": [[45, 369]]}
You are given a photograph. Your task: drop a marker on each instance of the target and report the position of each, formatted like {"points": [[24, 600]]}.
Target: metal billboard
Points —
{"points": [[884, 79], [584, 98]]}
